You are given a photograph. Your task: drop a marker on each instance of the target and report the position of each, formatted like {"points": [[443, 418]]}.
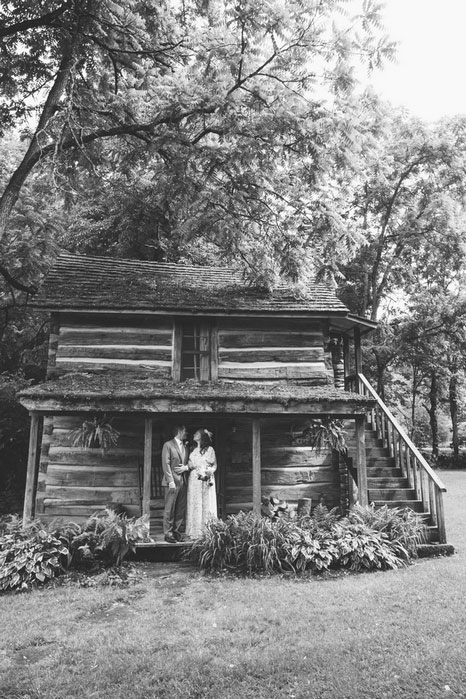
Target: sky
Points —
{"points": [[429, 78]]}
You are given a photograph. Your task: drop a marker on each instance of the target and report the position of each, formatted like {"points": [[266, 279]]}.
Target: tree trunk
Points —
{"points": [[453, 400], [380, 377], [433, 397], [31, 157], [413, 403]]}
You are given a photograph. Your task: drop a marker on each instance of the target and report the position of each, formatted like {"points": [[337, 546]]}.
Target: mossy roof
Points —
{"points": [[100, 283], [119, 386]]}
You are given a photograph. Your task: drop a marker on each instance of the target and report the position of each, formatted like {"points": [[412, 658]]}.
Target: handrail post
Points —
{"points": [[361, 459], [442, 535], [256, 466]]}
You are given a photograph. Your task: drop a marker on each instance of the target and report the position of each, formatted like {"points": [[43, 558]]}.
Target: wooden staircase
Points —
{"points": [[388, 486], [397, 473], [386, 483]]}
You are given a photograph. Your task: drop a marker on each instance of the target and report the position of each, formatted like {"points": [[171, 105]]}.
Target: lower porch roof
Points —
{"points": [[114, 391]]}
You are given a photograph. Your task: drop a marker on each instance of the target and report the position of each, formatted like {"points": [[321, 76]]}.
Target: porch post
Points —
{"points": [[361, 459], [147, 466], [357, 354], [256, 466], [346, 355], [357, 350], [29, 493]]}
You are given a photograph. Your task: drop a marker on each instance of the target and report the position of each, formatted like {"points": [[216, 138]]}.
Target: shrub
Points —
{"points": [[315, 551], [14, 435], [401, 525], [33, 555], [29, 557], [362, 548], [249, 543], [245, 543], [107, 536]]}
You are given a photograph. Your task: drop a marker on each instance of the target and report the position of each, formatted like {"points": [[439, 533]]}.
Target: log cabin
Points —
{"points": [[147, 345]]}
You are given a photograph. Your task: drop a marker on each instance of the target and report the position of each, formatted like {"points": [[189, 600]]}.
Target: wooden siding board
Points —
{"points": [[272, 354], [122, 335], [62, 475], [230, 325], [91, 494], [311, 371], [145, 353], [232, 339], [156, 369]]}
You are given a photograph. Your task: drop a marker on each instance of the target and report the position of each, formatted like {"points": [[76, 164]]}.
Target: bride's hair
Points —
{"points": [[206, 440]]}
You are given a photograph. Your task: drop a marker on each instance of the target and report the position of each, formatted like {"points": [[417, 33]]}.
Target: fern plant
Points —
{"points": [[326, 433], [97, 432]]}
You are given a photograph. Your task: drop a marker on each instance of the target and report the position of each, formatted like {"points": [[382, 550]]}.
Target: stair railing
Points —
{"points": [[421, 477]]}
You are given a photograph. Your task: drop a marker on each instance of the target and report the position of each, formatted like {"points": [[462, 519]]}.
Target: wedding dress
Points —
{"points": [[202, 498]]}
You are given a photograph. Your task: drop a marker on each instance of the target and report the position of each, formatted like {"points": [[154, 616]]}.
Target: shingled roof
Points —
{"points": [[98, 283]]}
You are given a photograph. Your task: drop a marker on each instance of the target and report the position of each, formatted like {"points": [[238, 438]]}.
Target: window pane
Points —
{"points": [[191, 342]]}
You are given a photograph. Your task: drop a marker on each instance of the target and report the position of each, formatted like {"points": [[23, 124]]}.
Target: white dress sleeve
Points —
{"points": [[211, 459]]}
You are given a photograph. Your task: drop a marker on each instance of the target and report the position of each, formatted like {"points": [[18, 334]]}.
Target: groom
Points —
{"points": [[174, 464]]}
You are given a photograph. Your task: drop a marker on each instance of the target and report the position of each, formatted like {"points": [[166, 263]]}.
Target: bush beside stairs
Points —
{"points": [[387, 484]]}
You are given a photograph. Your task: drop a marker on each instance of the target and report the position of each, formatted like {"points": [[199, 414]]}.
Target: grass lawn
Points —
{"points": [[180, 634]]}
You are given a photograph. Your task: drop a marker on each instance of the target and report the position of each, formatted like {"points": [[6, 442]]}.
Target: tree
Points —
{"points": [[222, 99], [408, 206]]}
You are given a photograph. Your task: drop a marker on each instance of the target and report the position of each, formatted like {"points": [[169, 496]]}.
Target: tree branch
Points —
{"points": [[42, 21], [29, 289]]}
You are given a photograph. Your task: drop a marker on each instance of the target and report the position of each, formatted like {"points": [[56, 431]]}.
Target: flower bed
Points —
{"points": [[366, 539]]}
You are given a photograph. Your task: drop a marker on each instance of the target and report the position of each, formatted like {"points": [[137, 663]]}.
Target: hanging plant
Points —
{"points": [[325, 433], [97, 432]]}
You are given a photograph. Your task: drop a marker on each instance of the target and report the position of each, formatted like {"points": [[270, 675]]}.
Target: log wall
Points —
{"points": [[273, 350], [74, 482], [290, 469], [84, 346], [247, 349]]}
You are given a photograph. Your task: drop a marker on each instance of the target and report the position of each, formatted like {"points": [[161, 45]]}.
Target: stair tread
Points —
{"points": [[387, 482], [416, 505], [391, 494]]}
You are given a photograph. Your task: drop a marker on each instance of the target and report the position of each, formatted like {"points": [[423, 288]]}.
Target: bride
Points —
{"points": [[202, 498]]}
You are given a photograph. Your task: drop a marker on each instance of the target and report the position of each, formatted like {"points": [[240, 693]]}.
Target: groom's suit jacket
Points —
{"points": [[171, 457]]}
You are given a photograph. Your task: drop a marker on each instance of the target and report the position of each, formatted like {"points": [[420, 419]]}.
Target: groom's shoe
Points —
{"points": [[180, 537], [169, 538]]}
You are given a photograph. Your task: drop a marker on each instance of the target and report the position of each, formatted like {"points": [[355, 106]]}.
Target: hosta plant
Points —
{"points": [[399, 524], [30, 557]]}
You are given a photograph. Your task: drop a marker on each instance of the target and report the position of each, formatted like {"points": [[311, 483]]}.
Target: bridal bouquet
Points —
{"points": [[206, 476]]}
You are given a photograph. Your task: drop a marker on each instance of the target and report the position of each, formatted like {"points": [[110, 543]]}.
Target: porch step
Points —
{"points": [[384, 472], [380, 461], [376, 452], [387, 482], [376, 494], [415, 505]]}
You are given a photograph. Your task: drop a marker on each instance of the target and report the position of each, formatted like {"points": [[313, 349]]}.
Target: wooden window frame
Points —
{"points": [[207, 351]]}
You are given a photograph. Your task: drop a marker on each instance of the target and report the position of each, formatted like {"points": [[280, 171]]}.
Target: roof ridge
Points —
{"points": [[124, 260]]}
